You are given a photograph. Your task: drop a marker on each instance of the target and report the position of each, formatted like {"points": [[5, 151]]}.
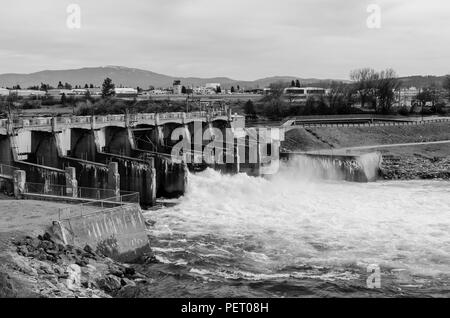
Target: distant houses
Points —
{"points": [[4, 92], [125, 92]]}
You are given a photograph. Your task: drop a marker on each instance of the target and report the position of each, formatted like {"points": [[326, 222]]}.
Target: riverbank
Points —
{"points": [[401, 162], [35, 263]]}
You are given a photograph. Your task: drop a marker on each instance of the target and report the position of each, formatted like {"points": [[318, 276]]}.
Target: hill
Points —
{"points": [[131, 77]]}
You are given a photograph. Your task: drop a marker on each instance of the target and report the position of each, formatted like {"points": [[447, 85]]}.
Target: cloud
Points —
{"points": [[243, 39]]}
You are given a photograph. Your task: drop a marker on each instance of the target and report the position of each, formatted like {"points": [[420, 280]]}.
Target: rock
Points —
{"points": [[24, 267], [89, 250], [7, 288], [81, 262], [51, 279], [23, 250], [35, 243], [73, 281], [47, 268], [110, 283], [116, 271], [127, 282], [47, 237], [138, 276], [129, 271], [130, 292]]}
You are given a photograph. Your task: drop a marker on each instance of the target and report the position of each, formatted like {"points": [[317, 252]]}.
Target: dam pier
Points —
{"points": [[130, 153]]}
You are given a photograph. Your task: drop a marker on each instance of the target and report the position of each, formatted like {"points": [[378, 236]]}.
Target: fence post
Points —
{"points": [[19, 183], [114, 178], [71, 182]]}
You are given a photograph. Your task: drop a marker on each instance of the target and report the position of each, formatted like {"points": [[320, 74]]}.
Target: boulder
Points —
{"points": [[127, 282], [7, 288], [73, 281], [130, 292], [110, 283]]}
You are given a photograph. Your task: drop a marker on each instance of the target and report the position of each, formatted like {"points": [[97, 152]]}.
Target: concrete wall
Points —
{"points": [[119, 233]]}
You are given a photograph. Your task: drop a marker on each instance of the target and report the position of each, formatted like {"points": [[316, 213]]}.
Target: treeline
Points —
{"points": [[117, 107], [370, 90]]}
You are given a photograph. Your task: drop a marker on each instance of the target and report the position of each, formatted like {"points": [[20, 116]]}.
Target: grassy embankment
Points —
{"points": [[410, 162]]}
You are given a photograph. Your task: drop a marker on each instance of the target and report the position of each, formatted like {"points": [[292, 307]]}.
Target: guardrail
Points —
{"points": [[66, 191], [369, 124], [48, 121], [6, 170], [99, 206]]}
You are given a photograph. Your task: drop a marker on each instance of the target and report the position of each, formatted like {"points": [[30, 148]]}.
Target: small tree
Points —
{"points": [[183, 90], [232, 89], [292, 83], [218, 90], [386, 85], [297, 83], [107, 88], [364, 80], [63, 99], [249, 108], [446, 86]]}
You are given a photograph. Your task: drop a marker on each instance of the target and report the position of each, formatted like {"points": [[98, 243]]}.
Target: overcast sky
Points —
{"points": [[241, 39]]}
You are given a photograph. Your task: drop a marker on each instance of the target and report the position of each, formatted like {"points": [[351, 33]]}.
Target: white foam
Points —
{"points": [[292, 220]]}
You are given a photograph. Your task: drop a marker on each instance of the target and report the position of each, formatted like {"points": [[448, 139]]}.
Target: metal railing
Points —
{"points": [[99, 206], [67, 191], [47, 121], [6, 170]]}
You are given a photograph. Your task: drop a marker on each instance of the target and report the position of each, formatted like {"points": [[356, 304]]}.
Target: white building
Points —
{"points": [[125, 92], [212, 85], [27, 93], [177, 87], [406, 97], [57, 93], [305, 91], [4, 91]]}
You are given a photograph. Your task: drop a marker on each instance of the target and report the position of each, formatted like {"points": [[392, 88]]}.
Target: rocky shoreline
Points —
{"points": [[417, 167], [42, 267]]}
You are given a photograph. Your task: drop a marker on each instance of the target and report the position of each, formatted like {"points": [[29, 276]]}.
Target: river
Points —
{"points": [[291, 236]]}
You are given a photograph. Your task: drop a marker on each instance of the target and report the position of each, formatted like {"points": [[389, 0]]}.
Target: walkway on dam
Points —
{"points": [[398, 145], [351, 150]]}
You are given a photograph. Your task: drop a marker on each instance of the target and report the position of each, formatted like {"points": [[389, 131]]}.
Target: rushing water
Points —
{"points": [[287, 236]]}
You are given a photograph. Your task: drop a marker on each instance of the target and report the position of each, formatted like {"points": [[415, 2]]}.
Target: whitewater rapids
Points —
{"points": [[288, 227]]}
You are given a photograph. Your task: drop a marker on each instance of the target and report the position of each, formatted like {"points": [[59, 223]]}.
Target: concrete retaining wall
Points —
{"points": [[119, 233]]}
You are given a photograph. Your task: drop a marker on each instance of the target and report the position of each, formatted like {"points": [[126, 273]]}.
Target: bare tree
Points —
{"points": [[364, 80], [446, 86], [386, 85]]}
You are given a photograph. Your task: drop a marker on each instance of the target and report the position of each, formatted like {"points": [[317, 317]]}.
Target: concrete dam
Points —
{"points": [[122, 152], [113, 165]]}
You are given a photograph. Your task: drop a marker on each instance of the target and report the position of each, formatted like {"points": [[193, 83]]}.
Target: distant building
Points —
{"points": [[96, 91], [177, 87], [80, 91], [27, 93], [57, 93], [204, 90], [4, 92], [406, 97], [212, 85], [305, 91], [125, 92]]}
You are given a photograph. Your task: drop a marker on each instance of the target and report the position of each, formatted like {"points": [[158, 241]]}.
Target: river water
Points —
{"points": [[291, 236]]}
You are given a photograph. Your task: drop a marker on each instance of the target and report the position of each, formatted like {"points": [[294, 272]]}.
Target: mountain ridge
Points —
{"points": [[132, 77]]}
